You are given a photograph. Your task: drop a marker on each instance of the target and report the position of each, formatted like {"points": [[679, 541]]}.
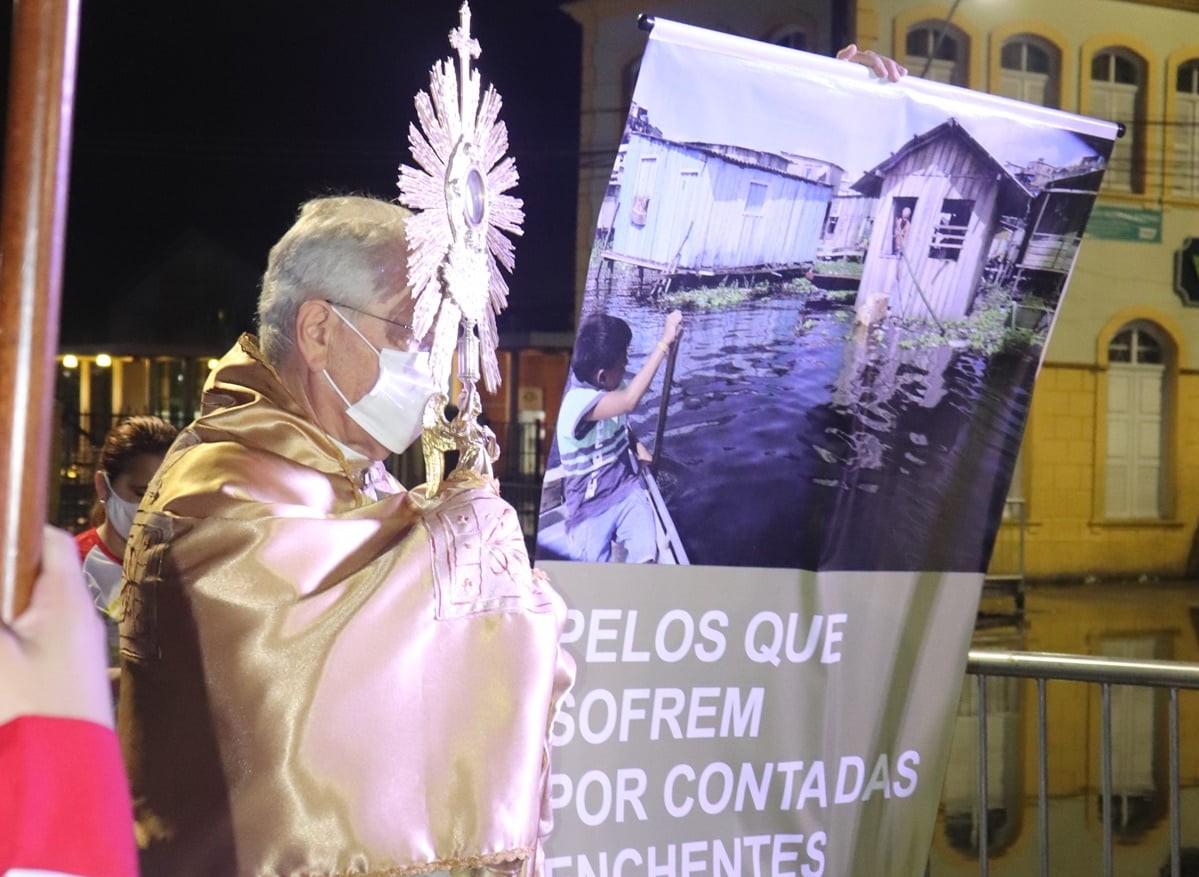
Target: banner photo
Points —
{"points": [[815, 310]]}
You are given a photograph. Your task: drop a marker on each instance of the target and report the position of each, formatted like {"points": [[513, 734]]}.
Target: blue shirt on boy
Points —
{"points": [[604, 499]]}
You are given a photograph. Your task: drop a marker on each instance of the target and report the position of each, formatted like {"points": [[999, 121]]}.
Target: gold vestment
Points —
{"points": [[317, 683]]}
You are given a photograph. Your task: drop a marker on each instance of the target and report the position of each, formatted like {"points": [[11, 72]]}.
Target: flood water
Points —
{"points": [[783, 419], [824, 445], [1075, 844], [1079, 618]]}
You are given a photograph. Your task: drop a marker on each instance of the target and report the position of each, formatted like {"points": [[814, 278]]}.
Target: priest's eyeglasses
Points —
{"points": [[407, 327]]}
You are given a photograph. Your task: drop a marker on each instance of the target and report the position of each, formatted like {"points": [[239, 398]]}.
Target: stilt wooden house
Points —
{"points": [[714, 209], [940, 199], [847, 226], [1056, 221]]}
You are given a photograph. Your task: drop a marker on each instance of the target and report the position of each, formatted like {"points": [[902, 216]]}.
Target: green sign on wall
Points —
{"points": [[1112, 223]]}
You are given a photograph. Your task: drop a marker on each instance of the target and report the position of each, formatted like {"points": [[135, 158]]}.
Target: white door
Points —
{"points": [[940, 48], [939, 69], [1134, 440], [1027, 65], [1134, 722], [1116, 102], [1025, 86], [1186, 146], [682, 212]]}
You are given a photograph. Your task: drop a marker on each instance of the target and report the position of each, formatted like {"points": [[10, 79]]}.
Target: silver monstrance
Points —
{"points": [[458, 233]]}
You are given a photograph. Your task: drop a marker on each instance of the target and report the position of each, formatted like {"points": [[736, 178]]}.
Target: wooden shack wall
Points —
{"points": [[784, 232], [853, 212], [696, 217], [1053, 244], [630, 240], [945, 168]]}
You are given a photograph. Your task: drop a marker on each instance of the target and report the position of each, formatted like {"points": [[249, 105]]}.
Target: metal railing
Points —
{"points": [[1104, 672]]}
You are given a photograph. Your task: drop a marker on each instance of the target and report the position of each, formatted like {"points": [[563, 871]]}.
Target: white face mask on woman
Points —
{"points": [[117, 511], [391, 411]]}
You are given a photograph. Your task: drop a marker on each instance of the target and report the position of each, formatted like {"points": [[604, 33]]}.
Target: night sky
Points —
{"points": [[210, 122]]}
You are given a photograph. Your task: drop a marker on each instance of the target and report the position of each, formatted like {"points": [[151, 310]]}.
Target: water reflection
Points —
{"points": [[813, 431], [1128, 620]]}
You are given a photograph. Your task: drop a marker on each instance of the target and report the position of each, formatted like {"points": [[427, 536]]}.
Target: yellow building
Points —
{"points": [[1109, 470]]}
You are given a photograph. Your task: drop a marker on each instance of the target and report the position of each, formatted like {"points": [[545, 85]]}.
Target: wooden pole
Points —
{"points": [[667, 380], [37, 160]]}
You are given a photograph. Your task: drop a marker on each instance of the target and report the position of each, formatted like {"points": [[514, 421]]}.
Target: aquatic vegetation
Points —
{"points": [[800, 284], [707, 297], [730, 293], [988, 329], [688, 292], [838, 267]]}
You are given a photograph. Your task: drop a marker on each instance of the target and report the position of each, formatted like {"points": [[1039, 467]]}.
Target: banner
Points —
{"points": [[863, 276]]}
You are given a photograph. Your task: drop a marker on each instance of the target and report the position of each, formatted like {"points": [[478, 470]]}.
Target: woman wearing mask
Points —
{"points": [[132, 452]]}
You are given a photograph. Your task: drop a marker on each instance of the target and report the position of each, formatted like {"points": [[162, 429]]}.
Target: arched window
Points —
{"points": [[1186, 130], [1117, 94], [938, 51], [1030, 70], [1135, 422]]}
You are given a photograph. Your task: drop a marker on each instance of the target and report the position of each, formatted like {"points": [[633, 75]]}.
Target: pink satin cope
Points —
{"points": [[315, 683]]}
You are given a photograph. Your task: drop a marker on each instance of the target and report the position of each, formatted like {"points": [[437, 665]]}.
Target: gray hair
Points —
{"points": [[347, 249]]}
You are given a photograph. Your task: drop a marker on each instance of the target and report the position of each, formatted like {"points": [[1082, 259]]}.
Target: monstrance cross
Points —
{"points": [[458, 233]]}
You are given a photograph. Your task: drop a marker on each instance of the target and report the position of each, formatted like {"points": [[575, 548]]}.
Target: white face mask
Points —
{"points": [[392, 410], [117, 511]]}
